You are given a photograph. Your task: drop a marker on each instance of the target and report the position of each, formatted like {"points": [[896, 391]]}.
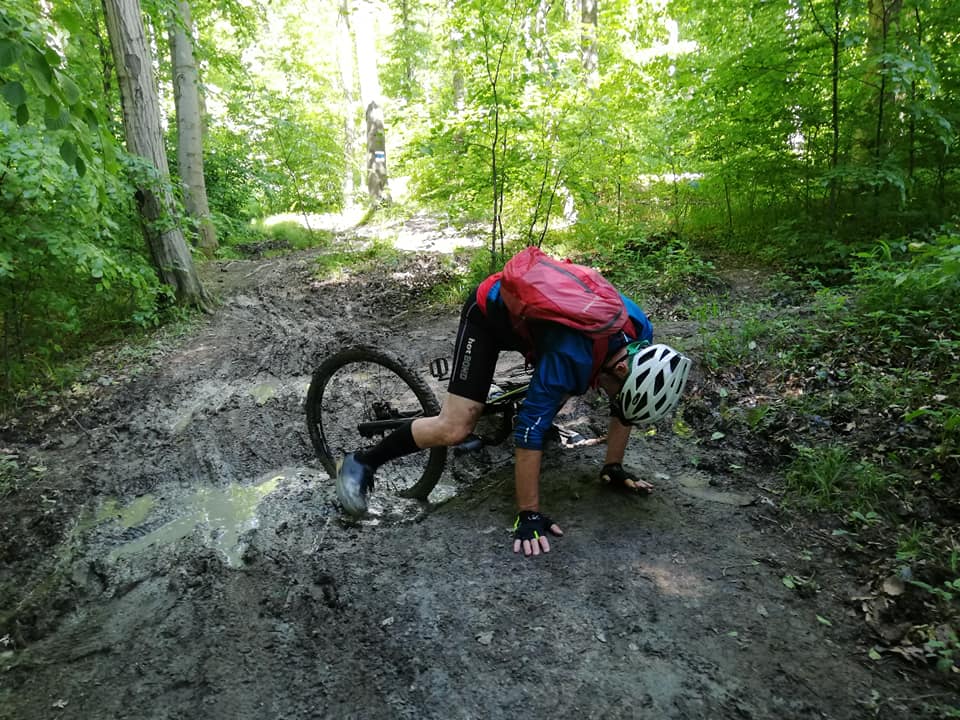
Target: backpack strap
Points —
{"points": [[483, 291], [601, 348]]}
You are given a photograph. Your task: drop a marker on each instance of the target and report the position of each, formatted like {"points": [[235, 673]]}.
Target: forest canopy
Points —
{"points": [[798, 133]]}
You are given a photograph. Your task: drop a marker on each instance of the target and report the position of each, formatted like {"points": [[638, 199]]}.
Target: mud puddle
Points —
{"points": [[221, 515]]}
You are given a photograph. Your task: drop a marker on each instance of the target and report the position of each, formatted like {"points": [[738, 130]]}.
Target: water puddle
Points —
{"points": [[265, 391], [127, 516], [225, 514], [698, 486]]}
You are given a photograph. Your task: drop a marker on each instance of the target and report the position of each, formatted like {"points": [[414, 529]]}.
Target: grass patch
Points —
{"points": [[261, 238], [856, 392], [831, 478], [294, 236], [8, 472], [74, 376], [337, 264]]}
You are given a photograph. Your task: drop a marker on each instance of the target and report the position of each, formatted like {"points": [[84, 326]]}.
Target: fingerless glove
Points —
{"points": [[531, 525]]}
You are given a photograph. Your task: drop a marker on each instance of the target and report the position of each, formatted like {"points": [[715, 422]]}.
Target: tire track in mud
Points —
{"points": [[663, 606]]}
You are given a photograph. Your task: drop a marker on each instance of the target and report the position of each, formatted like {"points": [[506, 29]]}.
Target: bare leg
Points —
{"points": [[457, 419]]}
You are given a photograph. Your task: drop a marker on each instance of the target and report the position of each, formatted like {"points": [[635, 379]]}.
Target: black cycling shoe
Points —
{"points": [[354, 481]]}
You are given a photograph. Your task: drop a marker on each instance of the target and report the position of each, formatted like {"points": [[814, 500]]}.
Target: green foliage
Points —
{"points": [[949, 590], [71, 262], [910, 291], [291, 235], [35, 85], [410, 49], [828, 478], [231, 176], [73, 269]]}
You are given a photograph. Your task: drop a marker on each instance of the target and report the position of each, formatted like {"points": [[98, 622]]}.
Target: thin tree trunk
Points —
{"points": [[370, 97], [493, 77], [884, 15], [186, 94], [141, 123], [348, 88], [588, 41], [834, 35], [912, 132], [376, 153]]}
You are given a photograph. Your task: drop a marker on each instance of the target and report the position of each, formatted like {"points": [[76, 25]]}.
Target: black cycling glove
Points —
{"points": [[614, 474], [531, 525]]}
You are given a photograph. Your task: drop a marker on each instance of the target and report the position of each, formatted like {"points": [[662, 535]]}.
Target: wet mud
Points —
{"points": [[181, 555]]}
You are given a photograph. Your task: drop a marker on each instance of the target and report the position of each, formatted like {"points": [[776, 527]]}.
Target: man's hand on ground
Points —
{"points": [[618, 478], [530, 531]]}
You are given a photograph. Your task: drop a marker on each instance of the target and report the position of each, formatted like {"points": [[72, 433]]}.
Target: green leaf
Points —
{"points": [[81, 166], [93, 122], [6, 264], [68, 151], [72, 21], [59, 122], [70, 90], [873, 654], [9, 51], [39, 69], [23, 115], [788, 582], [717, 436], [14, 93], [823, 621], [51, 107]]}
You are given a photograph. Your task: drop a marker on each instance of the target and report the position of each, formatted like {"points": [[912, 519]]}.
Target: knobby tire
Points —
{"points": [[346, 390]]}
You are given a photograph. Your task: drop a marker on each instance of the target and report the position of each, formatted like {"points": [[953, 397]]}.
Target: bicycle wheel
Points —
{"points": [[359, 395]]}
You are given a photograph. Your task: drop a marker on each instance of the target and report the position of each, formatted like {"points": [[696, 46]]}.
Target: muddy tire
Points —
{"points": [[358, 396]]}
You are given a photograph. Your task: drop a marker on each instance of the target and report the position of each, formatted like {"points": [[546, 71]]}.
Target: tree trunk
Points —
{"points": [[884, 15], [834, 34], [497, 173], [588, 42], [370, 97], [376, 154], [141, 123], [457, 81], [186, 94], [912, 128], [347, 86]]}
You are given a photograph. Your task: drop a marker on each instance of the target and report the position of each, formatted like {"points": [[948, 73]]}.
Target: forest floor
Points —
{"points": [[171, 548]]}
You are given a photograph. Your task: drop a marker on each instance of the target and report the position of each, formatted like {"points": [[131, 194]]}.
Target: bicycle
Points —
{"points": [[361, 393]]}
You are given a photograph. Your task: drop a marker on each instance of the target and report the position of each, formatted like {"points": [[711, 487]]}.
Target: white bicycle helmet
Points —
{"points": [[655, 380]]}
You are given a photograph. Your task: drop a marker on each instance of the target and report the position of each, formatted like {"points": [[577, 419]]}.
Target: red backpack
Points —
{"points": [[535, 287]]}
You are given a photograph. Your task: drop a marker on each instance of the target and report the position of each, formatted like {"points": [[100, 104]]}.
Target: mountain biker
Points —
{"points": [[643, 381]]}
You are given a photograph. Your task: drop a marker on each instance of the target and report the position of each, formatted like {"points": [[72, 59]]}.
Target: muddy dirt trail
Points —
{"points": [[178, 553]]}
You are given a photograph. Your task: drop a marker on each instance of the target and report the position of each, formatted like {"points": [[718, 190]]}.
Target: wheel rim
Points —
{"points": [[360, 403]]}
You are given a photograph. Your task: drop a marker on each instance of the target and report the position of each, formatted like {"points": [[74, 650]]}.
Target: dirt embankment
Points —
{"points": [[171, 549]]}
